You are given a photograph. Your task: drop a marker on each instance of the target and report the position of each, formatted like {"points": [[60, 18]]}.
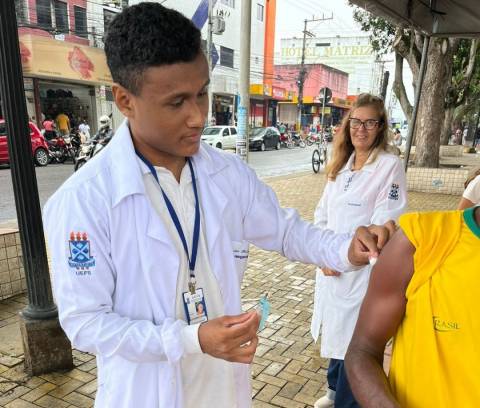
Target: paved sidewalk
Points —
{"points": [[287, 370]]}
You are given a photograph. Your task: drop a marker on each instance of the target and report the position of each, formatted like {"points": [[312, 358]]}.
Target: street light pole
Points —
{"points": [[41, 312], [303, 72], [209, 58], [244, 103]]}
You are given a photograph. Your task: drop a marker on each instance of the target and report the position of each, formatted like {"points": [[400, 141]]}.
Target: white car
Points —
{"points": [[222, 137]]}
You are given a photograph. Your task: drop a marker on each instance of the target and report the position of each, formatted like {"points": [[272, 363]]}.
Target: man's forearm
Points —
{"points": [[368, 381]]}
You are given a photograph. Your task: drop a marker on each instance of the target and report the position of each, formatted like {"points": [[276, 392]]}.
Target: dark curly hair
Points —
{"points": [[148, 35]]}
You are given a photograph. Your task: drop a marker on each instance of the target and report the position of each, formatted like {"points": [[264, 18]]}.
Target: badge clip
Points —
{"points": [[192, 284]]}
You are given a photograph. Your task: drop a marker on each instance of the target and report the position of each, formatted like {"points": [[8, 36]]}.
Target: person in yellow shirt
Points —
{"points": [[424, 291], [63, 123]]}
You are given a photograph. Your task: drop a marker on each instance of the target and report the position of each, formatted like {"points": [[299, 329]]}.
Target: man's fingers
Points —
{"points": [[229, 321], [383, 232], [367, 240], [243, 332], [244, 354]]}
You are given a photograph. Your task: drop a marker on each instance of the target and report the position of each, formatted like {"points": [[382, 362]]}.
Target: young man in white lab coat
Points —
{"points": [[149, 240]]}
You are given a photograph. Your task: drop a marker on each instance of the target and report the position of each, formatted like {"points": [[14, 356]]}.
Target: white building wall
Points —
{"points": [[352, 54], [224, 79]]}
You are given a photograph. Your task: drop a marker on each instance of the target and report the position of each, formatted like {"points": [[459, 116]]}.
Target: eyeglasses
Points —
{"points": [[368, 124]]}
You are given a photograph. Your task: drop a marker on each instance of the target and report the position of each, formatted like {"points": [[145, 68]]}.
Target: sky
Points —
{"points": [[290, 22], [292, 13]]}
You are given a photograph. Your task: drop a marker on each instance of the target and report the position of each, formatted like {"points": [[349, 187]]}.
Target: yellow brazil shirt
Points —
{"points": [[436, 354]]}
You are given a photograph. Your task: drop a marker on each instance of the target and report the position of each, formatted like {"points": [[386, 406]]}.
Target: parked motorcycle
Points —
{"points": [[71, 145], [297, 140], [57, 150], [286, 140], [93, 146]]}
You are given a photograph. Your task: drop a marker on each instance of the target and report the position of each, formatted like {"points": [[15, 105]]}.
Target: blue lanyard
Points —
{"points": [[196, 225]]}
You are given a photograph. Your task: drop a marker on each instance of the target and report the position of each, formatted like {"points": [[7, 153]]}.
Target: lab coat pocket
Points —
{"points": [[240, 255]]}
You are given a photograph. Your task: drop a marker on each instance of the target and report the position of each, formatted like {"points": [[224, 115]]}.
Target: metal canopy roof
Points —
{"points": [[455, 18]]}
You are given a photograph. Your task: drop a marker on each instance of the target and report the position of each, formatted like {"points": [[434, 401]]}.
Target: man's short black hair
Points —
{"points": [[148, 35]]}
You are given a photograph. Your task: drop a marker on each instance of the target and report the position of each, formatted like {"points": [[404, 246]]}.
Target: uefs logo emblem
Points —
{"points": [[80, 257]]}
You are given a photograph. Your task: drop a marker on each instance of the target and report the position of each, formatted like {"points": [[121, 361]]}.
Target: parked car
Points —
{"points": [[222, 137], [39, 145], [264, 138]]}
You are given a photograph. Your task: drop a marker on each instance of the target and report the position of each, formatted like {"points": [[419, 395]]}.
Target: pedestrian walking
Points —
{"points": [[84, 130], [159, 223], [63, 123], [476, 138], [366, 185], [49, 126]]}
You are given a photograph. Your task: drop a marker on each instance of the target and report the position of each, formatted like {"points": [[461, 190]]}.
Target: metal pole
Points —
{"points": [[244, 103], [41, 305], [421, 76], [209, 58], [323, 110], [301, 79]]}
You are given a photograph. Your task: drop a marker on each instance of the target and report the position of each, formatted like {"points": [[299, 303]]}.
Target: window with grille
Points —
{"points": [[80, 21], [259, 12], [226, 57], [44, 13], [61, 16]]}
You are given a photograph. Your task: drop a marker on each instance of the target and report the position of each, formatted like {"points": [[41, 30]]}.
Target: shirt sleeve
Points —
{"points": [[273, 228], [391, 200], [83, 277], [472, 192]]}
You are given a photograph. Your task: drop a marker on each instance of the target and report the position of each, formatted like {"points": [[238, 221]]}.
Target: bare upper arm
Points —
{"points": [[465, 203], [384, 305]]}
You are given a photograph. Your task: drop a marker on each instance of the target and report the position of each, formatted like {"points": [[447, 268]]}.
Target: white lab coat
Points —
{"points": [[122, 309], [373, 195]]}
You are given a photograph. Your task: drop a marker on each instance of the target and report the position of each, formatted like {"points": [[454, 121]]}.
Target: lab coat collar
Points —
{"points": [[370, 166], [127, 175]]}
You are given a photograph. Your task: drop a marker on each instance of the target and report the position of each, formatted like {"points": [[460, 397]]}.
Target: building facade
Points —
{"points": [[317, 77], [63, 71], [351, 54], [65, 68]]}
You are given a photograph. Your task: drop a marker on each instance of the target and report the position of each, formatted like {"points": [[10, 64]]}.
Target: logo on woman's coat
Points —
{"points": [[393, 194]]}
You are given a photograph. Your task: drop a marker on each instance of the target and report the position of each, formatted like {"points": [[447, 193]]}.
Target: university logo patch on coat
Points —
{"points": [[80, 257], [393, 194]]}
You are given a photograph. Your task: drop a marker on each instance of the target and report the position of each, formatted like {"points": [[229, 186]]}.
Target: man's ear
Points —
{"points": [[124, 100]]}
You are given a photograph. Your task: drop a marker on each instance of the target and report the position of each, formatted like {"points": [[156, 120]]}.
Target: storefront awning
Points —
{"points": [[47, 58]]}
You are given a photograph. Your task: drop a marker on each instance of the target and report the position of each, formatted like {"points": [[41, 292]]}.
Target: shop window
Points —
{"points": [[108, 16], [226, 57], [80, 21], [21, 11], [229, 3], [61, 16], [44, 13], [259, 12]]}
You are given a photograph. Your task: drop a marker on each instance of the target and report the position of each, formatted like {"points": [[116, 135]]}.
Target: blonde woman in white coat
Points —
{"points": [[366, 185]]}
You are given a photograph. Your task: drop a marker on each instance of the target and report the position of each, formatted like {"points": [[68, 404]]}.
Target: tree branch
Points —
{"points": [[399, 87]]}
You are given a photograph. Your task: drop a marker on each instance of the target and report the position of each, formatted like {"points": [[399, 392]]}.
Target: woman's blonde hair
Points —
{"points": [[471, 177], [342, 144]]}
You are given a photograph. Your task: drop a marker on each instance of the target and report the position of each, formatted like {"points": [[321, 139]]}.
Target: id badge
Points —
{"points": [[195, 307]]}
